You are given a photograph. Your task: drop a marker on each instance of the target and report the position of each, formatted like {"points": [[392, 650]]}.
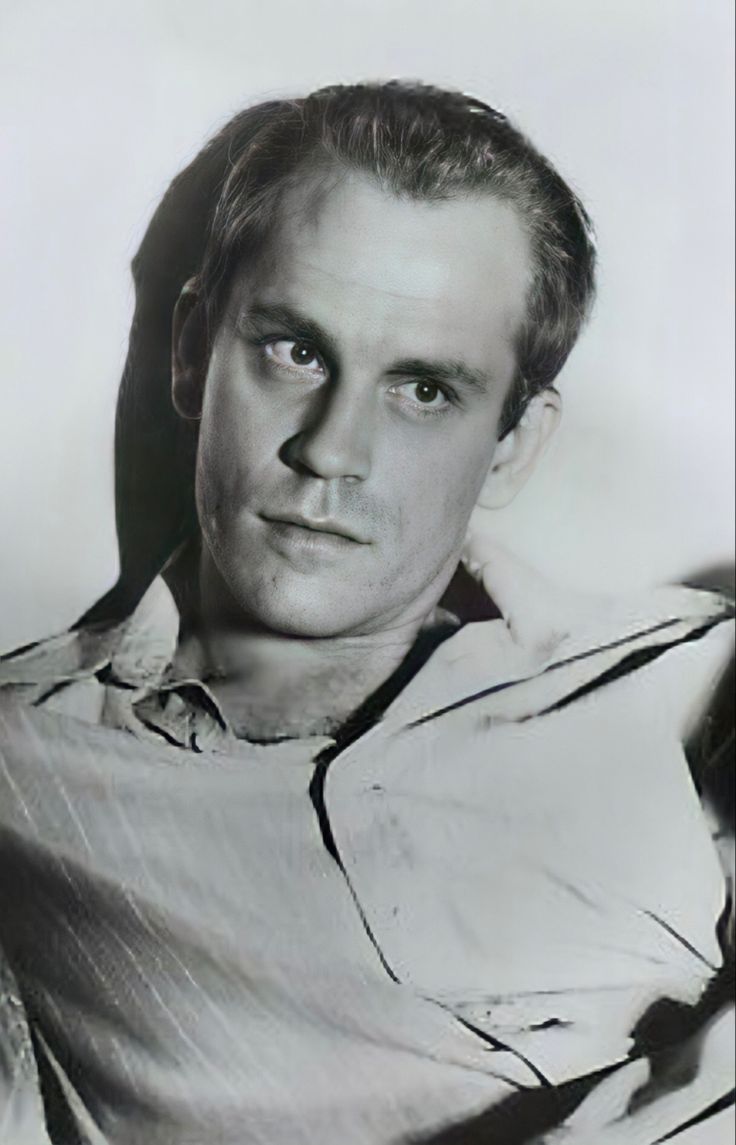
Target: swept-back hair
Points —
{"points": [[418, 142]]}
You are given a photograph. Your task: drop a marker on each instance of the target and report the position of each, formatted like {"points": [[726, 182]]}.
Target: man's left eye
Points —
{"points": [[294, 354], [427, 395]]}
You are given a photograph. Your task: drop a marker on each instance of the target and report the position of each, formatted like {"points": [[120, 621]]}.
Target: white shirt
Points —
{"points": [[222, 942]]}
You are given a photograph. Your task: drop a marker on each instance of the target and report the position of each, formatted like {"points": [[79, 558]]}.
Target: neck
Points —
{"points": [[270, 685]]}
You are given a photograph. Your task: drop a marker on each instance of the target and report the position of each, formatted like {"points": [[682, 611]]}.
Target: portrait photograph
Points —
{"points": [[367, 579]]}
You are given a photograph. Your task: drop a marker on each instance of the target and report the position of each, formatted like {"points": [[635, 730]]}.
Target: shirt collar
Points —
{"points": [[565, 645]]}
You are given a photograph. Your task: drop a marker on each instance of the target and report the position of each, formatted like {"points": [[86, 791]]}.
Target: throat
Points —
{"points": [[288, 699], [271, 688]]}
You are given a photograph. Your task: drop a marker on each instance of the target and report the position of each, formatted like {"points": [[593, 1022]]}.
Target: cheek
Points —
{"points": [[219, 472], [440, 491], [236, 438]]}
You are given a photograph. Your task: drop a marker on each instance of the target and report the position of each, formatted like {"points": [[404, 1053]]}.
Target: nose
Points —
{"points": [[335, 440]]}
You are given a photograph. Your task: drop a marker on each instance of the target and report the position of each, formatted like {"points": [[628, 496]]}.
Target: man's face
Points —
{"points": [[352, 403]]}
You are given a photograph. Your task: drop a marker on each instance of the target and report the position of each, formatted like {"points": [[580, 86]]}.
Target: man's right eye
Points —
{"points": [[295, 356]]}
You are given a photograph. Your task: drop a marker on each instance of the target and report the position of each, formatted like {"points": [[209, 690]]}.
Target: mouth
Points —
{"points": [[322, 526]]}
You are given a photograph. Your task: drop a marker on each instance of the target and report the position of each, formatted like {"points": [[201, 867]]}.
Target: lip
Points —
{"points": [[325, 526]]}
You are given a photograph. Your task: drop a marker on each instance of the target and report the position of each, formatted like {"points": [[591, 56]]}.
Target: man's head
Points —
{"points": [[393, 280], [426, 145], [385, 282]]}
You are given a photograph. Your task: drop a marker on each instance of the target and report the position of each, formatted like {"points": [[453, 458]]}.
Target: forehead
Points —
{"points": [[365, 262]]}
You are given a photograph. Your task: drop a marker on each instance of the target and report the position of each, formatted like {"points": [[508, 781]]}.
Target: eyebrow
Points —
{"points": [[287, 319], [451, 371]]}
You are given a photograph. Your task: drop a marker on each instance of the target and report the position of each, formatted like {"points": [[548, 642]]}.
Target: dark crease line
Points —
{"points": [[364, 717], [202, 698], [722, 926], [499, 1045], [501, 999], [618, 643], [57, 1112], [495, 688], [711, 1110], [631, 663], [161, 732], [59, 686], [369, 931], [106, 676], [552, 1024], [572, 890], [5, 657], [317, 796], [680, 938]]}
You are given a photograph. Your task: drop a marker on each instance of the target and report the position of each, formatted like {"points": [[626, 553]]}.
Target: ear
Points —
{"points": [[188, 354], [517, 454]]}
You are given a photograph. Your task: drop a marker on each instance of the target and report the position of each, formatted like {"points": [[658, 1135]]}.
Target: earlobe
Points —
{"points": [[518, 453], [188, 354]]}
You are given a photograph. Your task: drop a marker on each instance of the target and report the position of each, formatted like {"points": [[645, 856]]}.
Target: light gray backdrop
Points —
{"points": [[104, 100]]}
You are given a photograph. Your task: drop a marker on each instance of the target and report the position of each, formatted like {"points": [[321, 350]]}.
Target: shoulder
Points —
{"points": [[35, 672], [674, 644], [68, 671], [675, 639], [667, 648]]}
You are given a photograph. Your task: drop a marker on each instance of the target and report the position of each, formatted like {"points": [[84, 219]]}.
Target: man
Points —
{"points": [[315, 837]]}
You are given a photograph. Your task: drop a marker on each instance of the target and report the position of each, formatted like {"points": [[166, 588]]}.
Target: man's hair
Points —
{"points": [[418, 142]]}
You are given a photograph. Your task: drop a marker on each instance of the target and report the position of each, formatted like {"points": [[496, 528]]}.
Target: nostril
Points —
{"points": [[290, 455], [334, 437], [315, 455]]}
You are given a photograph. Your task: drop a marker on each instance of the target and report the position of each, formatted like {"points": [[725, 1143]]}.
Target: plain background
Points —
{"points": [[103, 101]]}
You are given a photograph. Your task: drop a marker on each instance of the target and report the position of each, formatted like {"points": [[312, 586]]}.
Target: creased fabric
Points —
{"points": [[360, 941]]}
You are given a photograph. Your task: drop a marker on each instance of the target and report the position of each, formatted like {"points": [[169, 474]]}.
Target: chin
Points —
{"points": [[301, 611]]}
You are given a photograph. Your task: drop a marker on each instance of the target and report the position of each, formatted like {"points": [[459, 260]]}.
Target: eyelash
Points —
{"points": [[260, 344], [418, 410]]}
